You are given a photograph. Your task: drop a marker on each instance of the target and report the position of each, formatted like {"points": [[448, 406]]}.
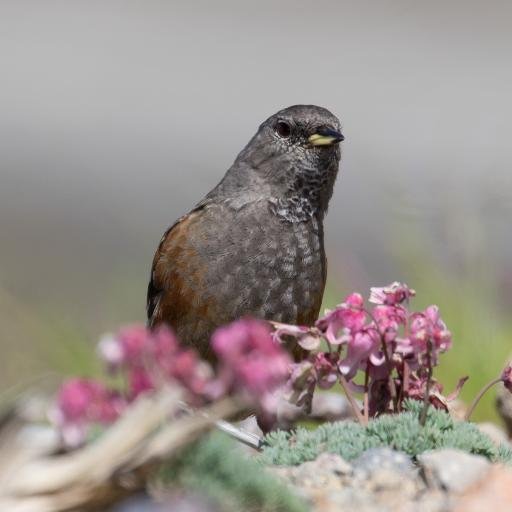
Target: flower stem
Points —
{"points": [[481, 393], [366, 405], [406, 373], [426, 398], [391, 382], [355, 408]]}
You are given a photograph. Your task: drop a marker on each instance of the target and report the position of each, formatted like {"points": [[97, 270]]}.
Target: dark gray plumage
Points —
{"points": [[255, 244]]}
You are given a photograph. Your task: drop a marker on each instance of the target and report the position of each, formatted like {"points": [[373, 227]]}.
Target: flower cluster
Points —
{"points": [[147, 359], [81, 403], [252, 362], [392, 349], [249, 359], [383, 350], [251, 366]]}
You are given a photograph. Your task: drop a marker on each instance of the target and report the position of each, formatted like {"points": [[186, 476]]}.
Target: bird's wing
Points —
{"points": [[172, 274]]}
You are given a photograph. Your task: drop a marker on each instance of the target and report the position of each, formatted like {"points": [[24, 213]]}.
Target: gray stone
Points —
{"points": [[179, 502], [349, 499], [497, 435], [325, 471], [504, 407], [453, 470], [379, 459]]}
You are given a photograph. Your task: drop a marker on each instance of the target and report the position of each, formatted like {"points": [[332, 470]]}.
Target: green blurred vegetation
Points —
{"points": [[216, 468], [481, 335]]}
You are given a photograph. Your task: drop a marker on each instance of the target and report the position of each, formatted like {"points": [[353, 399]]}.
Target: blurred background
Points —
{"points": [[117, 116]]}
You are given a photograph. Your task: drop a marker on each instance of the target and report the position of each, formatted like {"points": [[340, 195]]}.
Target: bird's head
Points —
{"points": [[293, 158]]}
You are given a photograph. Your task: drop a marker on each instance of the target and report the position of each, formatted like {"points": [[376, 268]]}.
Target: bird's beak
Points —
{"points": [[325, 137]]}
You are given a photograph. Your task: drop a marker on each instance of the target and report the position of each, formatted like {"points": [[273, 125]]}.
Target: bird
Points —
{"points": [[254, 245]]}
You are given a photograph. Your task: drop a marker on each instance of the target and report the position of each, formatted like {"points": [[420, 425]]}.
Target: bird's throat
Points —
{"points": [[294, 208]]}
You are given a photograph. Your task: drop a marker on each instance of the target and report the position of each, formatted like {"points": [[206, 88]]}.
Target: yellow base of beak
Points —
{"points": [[321, 140]]}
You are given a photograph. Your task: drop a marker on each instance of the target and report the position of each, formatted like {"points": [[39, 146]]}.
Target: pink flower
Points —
{"points": [[249, 358], [139, 381], [325, 365], [441, 336], [150, 358], [111, 351], [164, 344], [305, 337], [506, 377], [416, 342], [391, 295], [363, 347], [426, 327], [348, 317], [389, 320], [135, 341], [82, 402], [192, 373]]}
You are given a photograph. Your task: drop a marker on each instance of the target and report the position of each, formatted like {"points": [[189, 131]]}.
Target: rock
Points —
{"points": [[453, 470], [347, 499], [492, 493], [504, 406], [389, 476], [322, 473], [329, 463], [180, 502], [380, 480], [382, 459], [320, 480], [496, 434]]}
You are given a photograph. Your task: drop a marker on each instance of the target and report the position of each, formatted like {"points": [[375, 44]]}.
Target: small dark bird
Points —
{"points": [[255, 244]]}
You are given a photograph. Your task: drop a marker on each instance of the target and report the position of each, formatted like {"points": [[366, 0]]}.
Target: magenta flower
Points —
{"points": [[441, 336], [393, 347], [506, 377], [111, 352], [249, 358], [164, 345], [82, 402], [139, 381], [389, 320], [307, 339], [364, 346], [192, 373], [325, 366], [135, 342], [348, 317], [416, 342], [387, 353], [424, 328], [391, 295]]}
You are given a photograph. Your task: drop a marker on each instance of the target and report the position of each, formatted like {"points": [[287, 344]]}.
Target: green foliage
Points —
{"points": [[398, 431], [470, 304], [216, 467]]}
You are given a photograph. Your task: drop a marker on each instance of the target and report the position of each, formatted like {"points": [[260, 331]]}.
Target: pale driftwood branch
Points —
{"points": [[120, 461], [113, 466], [239, 434], [245, 437]]}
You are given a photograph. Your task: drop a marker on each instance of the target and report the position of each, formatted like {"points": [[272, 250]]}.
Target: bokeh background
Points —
{"points": [[117, 116]]}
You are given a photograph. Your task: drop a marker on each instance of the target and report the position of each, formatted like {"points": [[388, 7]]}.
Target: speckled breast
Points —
{"points": [[263, 266]]}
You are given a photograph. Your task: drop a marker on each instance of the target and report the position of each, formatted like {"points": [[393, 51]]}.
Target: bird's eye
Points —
{"points": [[283, 129]]}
